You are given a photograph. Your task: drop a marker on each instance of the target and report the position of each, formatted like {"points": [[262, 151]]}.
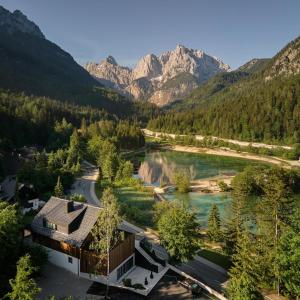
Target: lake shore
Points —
{"points": [[233, 153]]}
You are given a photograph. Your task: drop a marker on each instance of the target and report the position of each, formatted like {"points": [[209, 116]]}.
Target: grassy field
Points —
{"points": [[136, 205], [216, 257]]}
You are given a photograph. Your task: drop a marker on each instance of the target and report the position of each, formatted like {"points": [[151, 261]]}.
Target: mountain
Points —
{"points": [[254, 65], [159, 79], [18, 22], [261, 106], [32, 64], [205, 91]]}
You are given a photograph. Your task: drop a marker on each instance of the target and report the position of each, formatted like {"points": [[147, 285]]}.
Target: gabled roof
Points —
{"points": [[59, 216], [54, 209]]}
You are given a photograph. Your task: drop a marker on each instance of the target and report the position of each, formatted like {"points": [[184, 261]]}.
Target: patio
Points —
{"points": [[138, 275]]}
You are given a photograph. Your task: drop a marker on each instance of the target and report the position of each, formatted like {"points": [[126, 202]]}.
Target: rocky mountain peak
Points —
{"points": [[160, 79], [111, 60], [148, 66], [17, 21]]}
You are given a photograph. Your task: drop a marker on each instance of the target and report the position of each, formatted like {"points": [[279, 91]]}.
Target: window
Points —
{"points": [[124, 268], [70, 260], [49, 225]]}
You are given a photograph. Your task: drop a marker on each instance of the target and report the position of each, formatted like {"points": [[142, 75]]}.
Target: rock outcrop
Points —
{"points": [[159, 79], [286, 62]]}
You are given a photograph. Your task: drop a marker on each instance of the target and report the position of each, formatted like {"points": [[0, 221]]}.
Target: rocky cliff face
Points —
{"points": [[286, 62], [159, 79], [17, 21]]}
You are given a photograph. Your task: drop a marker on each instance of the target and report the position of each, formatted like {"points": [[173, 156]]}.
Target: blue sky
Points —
{"points": [[234, 30]]}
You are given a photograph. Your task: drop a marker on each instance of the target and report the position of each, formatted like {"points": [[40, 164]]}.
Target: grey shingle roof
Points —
{"points": [[54, 210]]}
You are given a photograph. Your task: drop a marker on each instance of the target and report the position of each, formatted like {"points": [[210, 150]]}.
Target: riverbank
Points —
{"points": [[233, 153]]}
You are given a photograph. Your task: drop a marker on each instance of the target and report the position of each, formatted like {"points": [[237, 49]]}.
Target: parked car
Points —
{"points": [[192, 286]]}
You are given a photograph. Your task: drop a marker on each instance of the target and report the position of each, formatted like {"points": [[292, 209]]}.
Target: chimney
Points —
{"points": [[70, 206]]}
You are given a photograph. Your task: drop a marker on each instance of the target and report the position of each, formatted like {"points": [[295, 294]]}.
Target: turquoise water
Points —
{"points": [[160, 166], [202, 204]]}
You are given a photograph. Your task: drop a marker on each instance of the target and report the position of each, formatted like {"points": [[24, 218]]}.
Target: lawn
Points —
{"points": [[136, 205], [216, 257]]}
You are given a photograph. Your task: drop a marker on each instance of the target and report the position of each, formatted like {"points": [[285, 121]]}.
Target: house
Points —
{"points": [[64, 227], [27, 196]]}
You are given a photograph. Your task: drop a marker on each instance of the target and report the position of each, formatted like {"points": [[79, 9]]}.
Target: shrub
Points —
{"points": [[138, 286], [127, 282], [182, 182], [39, 256], [223, 186]]}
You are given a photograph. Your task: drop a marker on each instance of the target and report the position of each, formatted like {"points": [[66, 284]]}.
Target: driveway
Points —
{"points": [[166, 289], [60, 283], [85, 185], [202, 271]]}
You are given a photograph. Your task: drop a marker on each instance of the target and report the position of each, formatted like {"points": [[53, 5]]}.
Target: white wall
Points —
{"points": [[61, 260]]}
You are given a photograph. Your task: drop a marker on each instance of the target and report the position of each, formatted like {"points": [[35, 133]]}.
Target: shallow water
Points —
{"points": [[202, 204], [160, 166]]}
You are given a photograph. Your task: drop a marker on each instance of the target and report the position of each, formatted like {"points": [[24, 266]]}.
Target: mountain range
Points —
{"points": [[200, 94], [33, 65], [258, 102], [159, 79]]}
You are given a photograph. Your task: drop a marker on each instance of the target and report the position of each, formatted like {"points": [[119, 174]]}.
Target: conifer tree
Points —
{"points": [[214, 231], [59, 190], [242, 282]]}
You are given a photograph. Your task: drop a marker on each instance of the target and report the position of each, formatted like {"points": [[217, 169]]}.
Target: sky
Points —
{"points": [[233, 30]]}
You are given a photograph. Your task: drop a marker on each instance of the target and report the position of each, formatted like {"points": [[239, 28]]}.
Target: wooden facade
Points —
{"points": [[122, 251], [90, 261], [56, 245]]}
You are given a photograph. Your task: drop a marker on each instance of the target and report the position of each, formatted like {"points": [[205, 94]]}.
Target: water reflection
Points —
{"points": [[160, 166]]}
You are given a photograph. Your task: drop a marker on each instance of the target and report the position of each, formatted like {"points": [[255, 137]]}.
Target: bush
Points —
{"points": [[38, 254], [182, 182], [138, 286], [127, 282], [223, 186]]}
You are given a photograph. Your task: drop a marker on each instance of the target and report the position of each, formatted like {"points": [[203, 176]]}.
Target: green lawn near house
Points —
{"points": [[216, 257], [136, 204]]}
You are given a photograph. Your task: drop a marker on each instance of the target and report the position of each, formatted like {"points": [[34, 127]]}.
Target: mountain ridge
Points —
{"points": [[156, 71], [261, 106]]}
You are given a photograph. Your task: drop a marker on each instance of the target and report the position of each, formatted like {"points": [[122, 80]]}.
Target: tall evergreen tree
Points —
{"points": [[214, 231], [59, 190], [242, 283], [288, 258], [234, 225]]}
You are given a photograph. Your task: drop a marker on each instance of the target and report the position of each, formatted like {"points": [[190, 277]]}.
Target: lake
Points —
{"points": [[160, 166]]}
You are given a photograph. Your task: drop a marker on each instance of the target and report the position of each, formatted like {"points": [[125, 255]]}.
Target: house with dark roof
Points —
{"points": [[27, 197], [64, 227]]}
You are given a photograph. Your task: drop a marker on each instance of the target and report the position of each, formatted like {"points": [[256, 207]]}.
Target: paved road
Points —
{"points": [[204, 273], [85, 185]]}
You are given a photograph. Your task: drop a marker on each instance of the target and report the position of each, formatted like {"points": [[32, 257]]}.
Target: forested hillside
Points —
{"points": [[261, 107], [35, 66]]}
